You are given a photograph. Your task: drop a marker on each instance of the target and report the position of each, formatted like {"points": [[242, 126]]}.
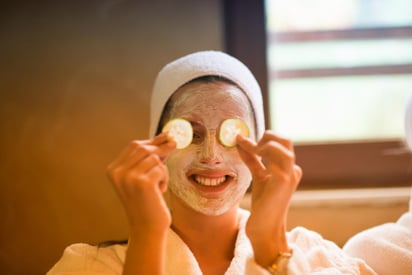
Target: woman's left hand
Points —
{"points": [[275, 179]]}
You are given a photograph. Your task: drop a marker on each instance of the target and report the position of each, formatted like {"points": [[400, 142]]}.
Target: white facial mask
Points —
{"points": [[197, 171]]}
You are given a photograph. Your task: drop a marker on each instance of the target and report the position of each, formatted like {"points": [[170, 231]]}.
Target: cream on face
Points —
{"points": [[207, 176]]}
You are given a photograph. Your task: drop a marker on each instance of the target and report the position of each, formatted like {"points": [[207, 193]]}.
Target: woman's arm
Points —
{"points": [[140, 178], [275, 178]]}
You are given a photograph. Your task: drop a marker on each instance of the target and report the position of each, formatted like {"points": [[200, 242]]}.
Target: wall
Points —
{"points": [[74, 83]]}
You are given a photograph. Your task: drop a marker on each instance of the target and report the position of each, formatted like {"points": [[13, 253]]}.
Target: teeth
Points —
{"points": [[209, 181]]}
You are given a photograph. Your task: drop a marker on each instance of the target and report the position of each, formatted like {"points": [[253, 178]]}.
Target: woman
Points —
{"points": [[388, 247], [183, 204]]}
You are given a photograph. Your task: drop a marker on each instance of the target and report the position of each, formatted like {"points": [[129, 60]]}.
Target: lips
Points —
{"points": [[211, 178]]}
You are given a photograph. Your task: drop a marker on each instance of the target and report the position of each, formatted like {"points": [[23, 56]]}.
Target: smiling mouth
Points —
{"points": [[206, 181]]}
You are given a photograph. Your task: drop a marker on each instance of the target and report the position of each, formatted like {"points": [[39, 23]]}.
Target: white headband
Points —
{"points": [[204, 63]]}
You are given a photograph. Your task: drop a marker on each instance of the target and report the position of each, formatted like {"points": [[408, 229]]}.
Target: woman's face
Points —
{"points": [[207, 176]]}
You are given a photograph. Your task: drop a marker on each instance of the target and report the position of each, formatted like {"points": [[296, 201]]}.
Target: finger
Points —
{"points": [[165, 145], [246, 149], [270, 135], [149, 163], [246, 144], [164, 150], [269, 154], [163, 177], [274, 153], [156, 176], [298, 172], [124, 155], [134, 152], [135, 144], [139, 173], [160, 139], [128, 157]]}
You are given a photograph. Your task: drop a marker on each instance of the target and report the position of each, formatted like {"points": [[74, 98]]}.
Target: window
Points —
{"points": [[339, 75], [329, 73]]}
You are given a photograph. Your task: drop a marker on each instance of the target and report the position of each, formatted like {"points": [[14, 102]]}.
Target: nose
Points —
{"points": [[210, 152]]}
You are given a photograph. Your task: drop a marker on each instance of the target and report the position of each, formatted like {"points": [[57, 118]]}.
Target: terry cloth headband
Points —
{"points": [[204, 63], [408, 122]]}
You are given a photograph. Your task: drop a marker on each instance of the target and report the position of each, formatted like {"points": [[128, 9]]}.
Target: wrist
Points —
{"points": [[145, 253], [280, 263], [267, 248], [269, 256], [148, 232], [147, 236]]}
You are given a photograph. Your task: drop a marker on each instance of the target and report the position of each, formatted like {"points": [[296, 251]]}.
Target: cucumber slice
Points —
{"points": [[229, 129], [180, 130]]}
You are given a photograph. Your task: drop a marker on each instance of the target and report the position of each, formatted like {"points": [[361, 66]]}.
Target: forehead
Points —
{"points": [[216, 97]]}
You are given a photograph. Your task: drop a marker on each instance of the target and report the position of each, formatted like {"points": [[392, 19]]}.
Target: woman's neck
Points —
{"points": [[211, 239]]}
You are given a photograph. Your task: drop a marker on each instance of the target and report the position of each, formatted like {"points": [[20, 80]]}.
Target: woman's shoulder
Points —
{"points": [[91, 258]]}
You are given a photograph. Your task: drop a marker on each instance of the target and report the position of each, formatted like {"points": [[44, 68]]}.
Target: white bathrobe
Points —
{"points": [[387, 248], [311, 255]]}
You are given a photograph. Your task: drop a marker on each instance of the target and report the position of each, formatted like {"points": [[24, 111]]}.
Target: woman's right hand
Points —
{"points": [[140, 177]]}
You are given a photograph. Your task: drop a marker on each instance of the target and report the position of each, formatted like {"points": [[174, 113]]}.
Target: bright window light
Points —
{"points": [[334, 75]]}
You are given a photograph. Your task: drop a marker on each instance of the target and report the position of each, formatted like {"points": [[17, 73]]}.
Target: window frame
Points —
{"points": [[363, 164]]}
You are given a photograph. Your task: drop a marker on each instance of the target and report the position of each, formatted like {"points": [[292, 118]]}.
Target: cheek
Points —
{"points": [[233, 160], [179, 160], [243, 171]]}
